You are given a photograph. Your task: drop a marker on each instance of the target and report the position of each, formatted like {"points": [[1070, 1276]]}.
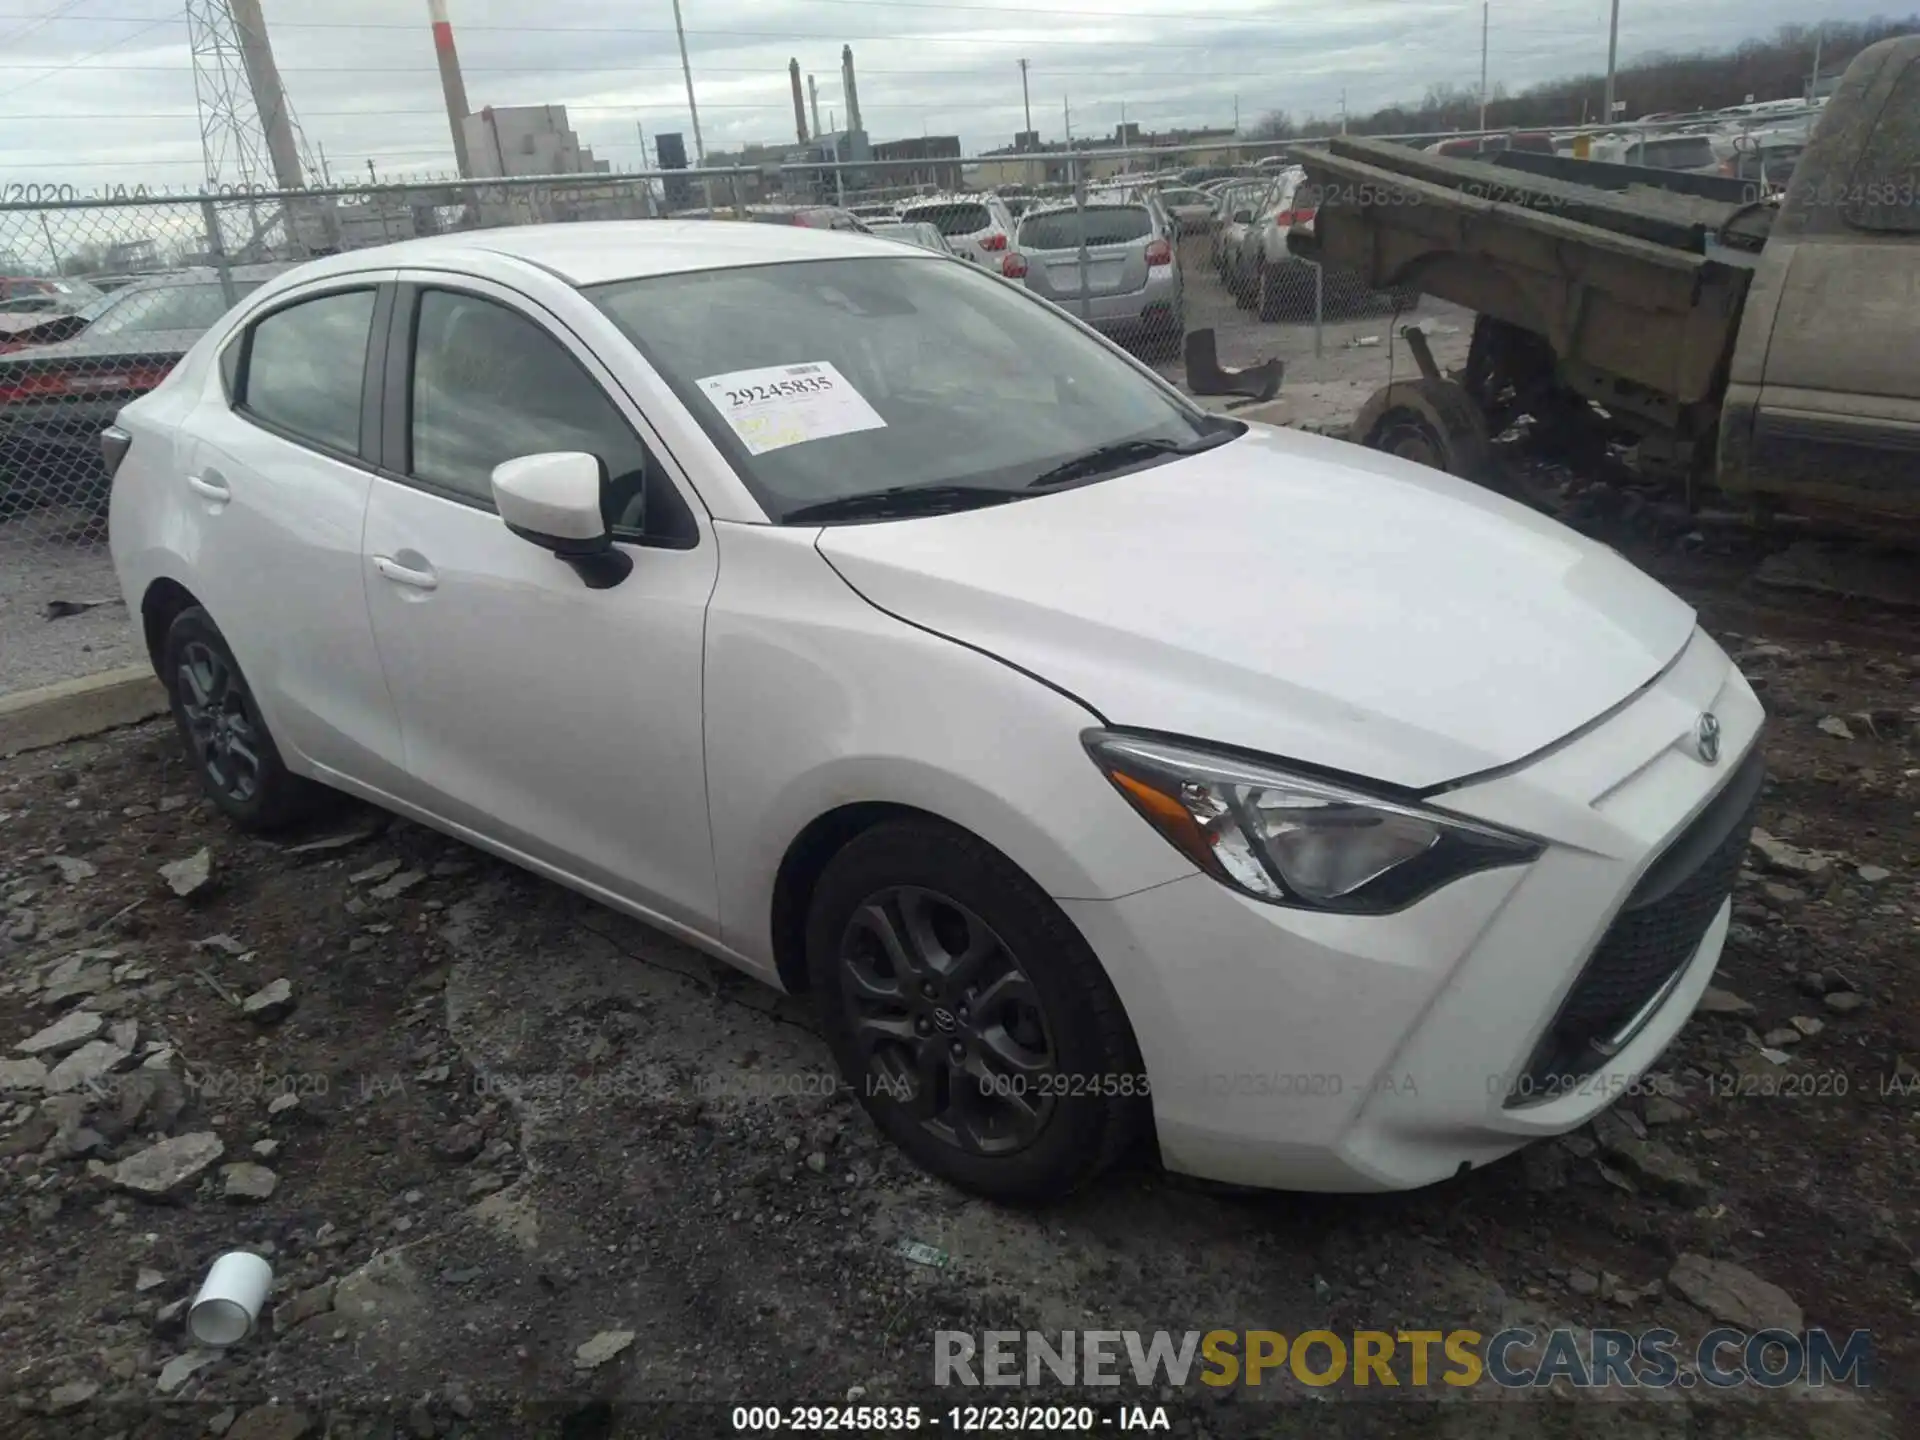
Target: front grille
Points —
{"points": [[1652, 937]]}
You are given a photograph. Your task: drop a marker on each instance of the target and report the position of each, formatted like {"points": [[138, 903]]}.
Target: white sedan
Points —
{"points": [[1106, 770]]}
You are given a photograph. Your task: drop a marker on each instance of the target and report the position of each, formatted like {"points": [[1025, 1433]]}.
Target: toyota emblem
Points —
{"points": [[1706, 738], [944, 1019]]}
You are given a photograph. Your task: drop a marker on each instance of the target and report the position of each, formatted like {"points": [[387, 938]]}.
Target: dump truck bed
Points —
{"points": [[1628, 286]]}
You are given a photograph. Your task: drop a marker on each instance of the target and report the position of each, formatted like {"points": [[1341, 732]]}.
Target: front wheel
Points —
{"points": [[969, 1016]]}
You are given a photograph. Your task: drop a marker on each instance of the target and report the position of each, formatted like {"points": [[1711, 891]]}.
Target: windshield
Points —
{"points": [[1103, 225], [827, 379], [951, 219], [161, 307]]}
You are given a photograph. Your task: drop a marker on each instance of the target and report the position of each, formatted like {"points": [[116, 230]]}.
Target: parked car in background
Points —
{"points": [[1132, 287], [812, 217], [860, 620], [978, 226], [56, 397], [1473, 146], [28, 303], [1191, 209], [1235, 207], [47, 294], [915, 232], [875, 210]]}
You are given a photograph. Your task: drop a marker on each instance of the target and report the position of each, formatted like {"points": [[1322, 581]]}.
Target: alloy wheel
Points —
{"points": [[947, 1023], [220, 721]]}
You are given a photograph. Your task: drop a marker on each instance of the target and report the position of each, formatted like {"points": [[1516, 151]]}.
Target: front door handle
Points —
{"points": [[210, 486], [405, 574]]}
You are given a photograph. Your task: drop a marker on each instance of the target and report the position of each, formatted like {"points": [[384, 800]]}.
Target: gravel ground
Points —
{"points": [[489, 1123], [48, 556]]}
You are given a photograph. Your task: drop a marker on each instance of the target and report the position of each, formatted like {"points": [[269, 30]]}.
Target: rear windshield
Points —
{"points": [[951, 219], [164, 307], [1689, 152], [1104, 225]]}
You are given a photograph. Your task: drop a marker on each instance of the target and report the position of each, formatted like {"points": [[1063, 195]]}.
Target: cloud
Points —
{"points": [[103, 91]]}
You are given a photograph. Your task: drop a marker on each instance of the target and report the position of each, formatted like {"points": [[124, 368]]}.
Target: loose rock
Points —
{"points": [[190, 876], [22, 1077], [248, 1181], [460, 1143], [398, 885], [1844, 1002], [71, 1396], [272, 1001], [1715, 1001], [182, 1368], [378, 871], [1733, 1295], [602, 1348], [86, 1066], [161, 1169], [1833, 725], [73, 871]]}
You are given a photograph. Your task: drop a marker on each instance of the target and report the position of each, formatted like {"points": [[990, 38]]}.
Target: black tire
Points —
{"points": [[901, 1043], [1431, 422], [220, 723]]}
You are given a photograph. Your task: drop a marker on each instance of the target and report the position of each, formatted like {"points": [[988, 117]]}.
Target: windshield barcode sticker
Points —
{"points": [[781, 405]]}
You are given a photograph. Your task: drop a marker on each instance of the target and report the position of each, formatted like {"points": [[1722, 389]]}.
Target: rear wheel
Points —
{"points": [[972, 1020], [226, 739]]}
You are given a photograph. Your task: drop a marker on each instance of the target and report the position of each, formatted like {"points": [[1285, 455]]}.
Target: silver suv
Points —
{"points": [[1132, 285], [978, 227]]}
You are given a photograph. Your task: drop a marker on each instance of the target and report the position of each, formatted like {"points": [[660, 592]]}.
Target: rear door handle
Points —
{"points": [[210, 486], [405, 574]]}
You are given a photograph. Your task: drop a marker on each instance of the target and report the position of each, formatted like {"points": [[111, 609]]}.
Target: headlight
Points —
{"points": [[1292, 840]]}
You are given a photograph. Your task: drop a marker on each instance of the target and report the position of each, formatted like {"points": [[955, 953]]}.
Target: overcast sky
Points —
{"points": [[96, 92]]}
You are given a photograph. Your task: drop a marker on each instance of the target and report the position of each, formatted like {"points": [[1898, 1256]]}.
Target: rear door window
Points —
{"points": [[305, 366], [952, 219], [1099, 224]]}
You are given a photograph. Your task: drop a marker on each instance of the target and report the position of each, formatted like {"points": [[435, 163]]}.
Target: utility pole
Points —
{"points": [[326, 175], [1343, 109], [372, 177], [1813, 85], [1485, 6], [1613, 56], [1236, 114], [686, 69], [1026, 100]]}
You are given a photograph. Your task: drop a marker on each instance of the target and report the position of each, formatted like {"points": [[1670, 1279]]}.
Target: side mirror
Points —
{"points": [[553, 501], [1243, 217]]}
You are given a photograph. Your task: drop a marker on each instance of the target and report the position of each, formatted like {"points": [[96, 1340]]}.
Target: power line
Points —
{"points": [[80, 60]]}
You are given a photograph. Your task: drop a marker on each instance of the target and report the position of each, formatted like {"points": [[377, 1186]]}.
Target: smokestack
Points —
{"points": [[799, 106], [813, 95], [263, 78], [853, 94], [451, 85]]}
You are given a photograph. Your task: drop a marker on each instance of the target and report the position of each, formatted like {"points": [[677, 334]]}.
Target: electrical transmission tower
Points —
{"points": [[248, 135]]}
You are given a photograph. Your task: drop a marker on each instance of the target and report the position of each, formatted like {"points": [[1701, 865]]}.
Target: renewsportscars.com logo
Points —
{"points": [[1509, 1359]]}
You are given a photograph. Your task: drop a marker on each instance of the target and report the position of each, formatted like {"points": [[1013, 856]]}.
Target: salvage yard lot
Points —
{"points": [[490, 1123]]}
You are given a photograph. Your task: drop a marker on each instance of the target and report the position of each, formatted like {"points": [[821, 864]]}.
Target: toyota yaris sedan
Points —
{"points": [[1109, 772]]}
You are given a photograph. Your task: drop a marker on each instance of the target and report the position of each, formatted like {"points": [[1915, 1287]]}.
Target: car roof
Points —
{"points": [[596, 251]]}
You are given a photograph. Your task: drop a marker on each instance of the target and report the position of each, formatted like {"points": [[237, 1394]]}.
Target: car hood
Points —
{"points": [[1293, 595]]}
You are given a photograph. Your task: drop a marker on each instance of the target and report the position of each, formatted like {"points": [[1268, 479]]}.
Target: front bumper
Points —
{"points": [[1300, 1050]]}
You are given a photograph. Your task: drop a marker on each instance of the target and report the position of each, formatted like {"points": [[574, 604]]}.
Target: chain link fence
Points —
{"points": [[101, 295]]}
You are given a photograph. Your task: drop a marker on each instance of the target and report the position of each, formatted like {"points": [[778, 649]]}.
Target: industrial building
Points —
{"points": [[525, 140], [1029, 161]]}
